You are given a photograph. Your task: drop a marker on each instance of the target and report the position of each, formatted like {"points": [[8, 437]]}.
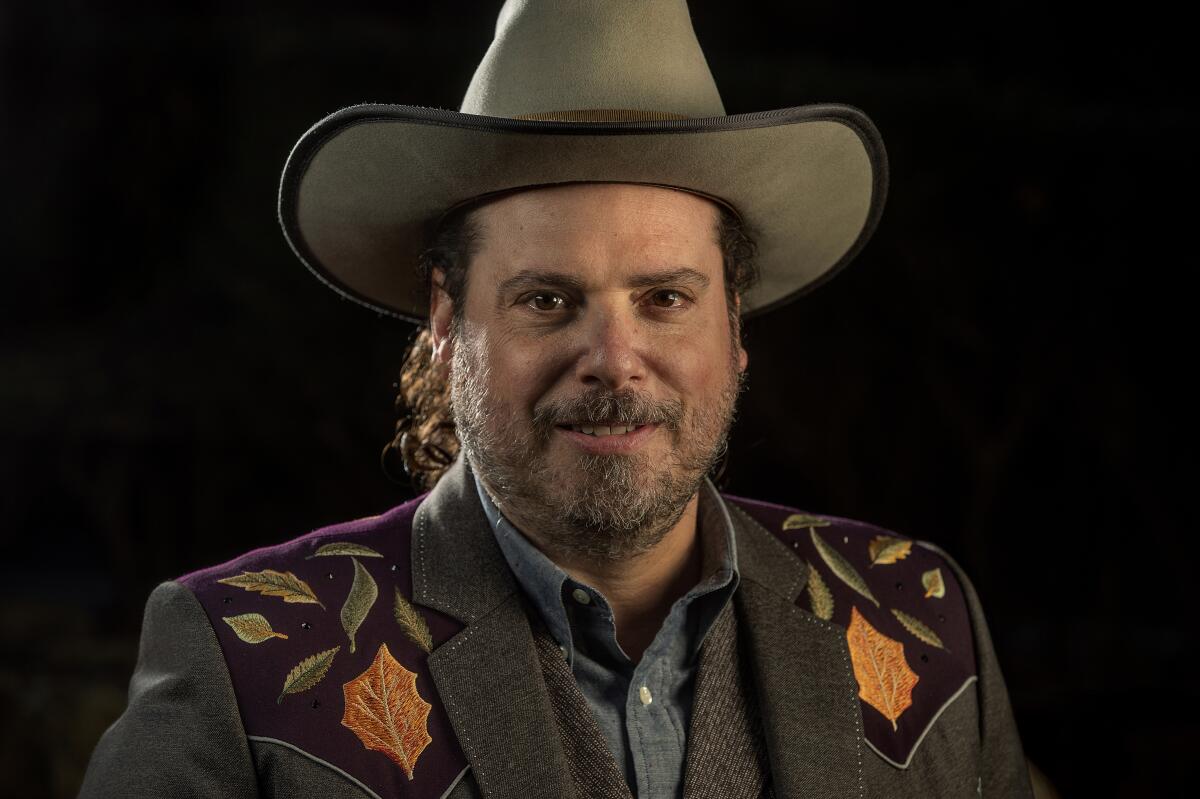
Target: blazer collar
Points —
{"points": [[488, 675], [458, 567], [807, 693]]}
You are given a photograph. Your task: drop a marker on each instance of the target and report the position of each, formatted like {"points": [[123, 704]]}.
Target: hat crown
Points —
{"points": [[554, 56]]}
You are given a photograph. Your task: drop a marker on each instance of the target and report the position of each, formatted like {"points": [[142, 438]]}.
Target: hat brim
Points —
{"points": [[362, 186]]}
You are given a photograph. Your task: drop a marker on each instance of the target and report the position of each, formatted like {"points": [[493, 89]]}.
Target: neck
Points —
{"points": [[642, 588]]}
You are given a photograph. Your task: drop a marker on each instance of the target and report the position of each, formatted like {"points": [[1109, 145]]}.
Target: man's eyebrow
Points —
{"points": [[537, 278], [683, 274]]}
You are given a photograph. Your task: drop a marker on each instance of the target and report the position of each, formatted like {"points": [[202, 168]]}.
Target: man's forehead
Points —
{"points": [[583, 225]]}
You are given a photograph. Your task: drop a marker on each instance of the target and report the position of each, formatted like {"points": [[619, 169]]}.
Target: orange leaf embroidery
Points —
{"points": [[885, 549], [885, 681], [385, 711]]}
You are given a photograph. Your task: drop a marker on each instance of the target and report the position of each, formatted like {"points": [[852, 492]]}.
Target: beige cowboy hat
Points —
{"points": [[581, 91]]}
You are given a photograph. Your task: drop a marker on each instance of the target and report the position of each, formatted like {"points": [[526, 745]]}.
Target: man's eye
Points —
{"points": [[667, 298], [546, 301]]}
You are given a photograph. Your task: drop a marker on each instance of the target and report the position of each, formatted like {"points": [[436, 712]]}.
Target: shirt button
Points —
{"points": [[644, 695], [581, 596]]}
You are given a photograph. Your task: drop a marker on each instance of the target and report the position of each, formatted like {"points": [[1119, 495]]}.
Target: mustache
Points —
{"points": [[607, 407]]}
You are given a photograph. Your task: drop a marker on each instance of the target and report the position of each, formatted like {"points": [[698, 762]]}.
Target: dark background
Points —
{"points": [[1004, 370]]}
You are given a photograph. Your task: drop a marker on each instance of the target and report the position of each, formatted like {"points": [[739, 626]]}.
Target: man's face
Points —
{"points": [[594, 369]]}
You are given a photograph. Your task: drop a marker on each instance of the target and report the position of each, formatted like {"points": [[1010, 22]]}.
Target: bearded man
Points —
{"points": [[574, 609]]}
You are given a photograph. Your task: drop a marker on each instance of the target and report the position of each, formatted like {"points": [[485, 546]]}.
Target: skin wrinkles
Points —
{"points": [[600, 303]]}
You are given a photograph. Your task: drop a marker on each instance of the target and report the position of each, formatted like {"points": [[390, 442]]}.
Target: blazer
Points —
{"points": [[395, 656]]}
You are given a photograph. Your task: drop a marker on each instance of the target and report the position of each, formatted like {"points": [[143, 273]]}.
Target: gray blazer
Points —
{"points": [[189, 729]]}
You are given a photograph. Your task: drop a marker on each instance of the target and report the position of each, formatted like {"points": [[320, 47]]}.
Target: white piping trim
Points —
{"points": [[314, 758], [456, 781], [263, 739], [928, 726]]}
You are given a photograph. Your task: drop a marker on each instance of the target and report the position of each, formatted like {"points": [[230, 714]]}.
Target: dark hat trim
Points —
{"points": [[316, 136]]}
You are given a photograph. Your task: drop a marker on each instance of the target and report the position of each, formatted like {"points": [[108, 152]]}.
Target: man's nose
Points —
{"points": [[612, 351]]}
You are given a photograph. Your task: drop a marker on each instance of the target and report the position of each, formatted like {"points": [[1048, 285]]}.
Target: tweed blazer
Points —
{"points": [[397, 656]]}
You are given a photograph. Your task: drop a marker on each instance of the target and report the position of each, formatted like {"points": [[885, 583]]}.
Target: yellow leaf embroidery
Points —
{"points": [[253, 628], [307, 673], [363, 592], [799, 520], [272, 583], [819, 597], [885, 549], [412, 622], [885, 681], [385, 711], [935, 586], [344, 548], [841, 567], [918, 629]]}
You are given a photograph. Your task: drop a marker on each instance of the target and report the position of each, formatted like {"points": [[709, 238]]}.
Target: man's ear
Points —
{"points": [[441, 313]]}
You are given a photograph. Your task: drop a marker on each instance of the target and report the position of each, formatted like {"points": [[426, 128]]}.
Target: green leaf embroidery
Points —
{"points": [[308, 673], [798, 520], [819, 596], [253, 628], [935, 586], [363, 592], [918, 630], [272, 583], [842, 568], [412, 622], [344, 548]]}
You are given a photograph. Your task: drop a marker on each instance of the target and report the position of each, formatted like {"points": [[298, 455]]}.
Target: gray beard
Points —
{"points": [[617, 506]]}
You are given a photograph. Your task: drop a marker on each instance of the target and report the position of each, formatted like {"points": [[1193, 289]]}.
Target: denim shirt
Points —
{"points": [[643, 709]]}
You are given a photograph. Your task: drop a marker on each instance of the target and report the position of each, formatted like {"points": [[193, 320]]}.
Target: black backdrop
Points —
{"points": [[1004, 370]]}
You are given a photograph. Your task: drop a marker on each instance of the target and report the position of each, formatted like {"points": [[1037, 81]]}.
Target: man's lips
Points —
{"points": [[608, 439], [601, 430]]}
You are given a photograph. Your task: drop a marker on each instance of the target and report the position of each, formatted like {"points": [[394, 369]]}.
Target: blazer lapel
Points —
{"points": [[726, 756], [488, 675], [806, 689]]}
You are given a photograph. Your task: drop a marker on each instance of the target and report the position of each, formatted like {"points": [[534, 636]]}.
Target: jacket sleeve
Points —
{"points": [[181, 734], [1002, 767]]}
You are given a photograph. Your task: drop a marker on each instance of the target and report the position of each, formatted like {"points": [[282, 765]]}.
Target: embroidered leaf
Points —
{"points": [[385, 711], [344, 548], [842, 568], [272, 583], [798, 520], [919, 630], [253, 628], [885, 681], [307, 673], [819, 597], [885, 549], [935, 586], [412, 622], [363, 592]]}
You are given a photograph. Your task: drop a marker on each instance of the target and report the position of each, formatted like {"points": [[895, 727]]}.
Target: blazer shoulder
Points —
{"points": [[906, 615], [878, 567], [312, 630], [382, 535]]}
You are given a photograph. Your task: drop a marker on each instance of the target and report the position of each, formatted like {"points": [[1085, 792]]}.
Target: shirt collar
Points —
{"points": [[546, 583]]}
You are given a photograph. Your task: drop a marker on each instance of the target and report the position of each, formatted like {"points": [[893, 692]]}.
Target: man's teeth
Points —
{"points": [[602, 430]]}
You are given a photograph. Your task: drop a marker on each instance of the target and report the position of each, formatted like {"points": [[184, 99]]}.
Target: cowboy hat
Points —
{"points": [[581, 91]]}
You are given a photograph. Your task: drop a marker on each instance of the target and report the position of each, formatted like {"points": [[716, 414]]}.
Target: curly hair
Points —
{"points": [[425, 439]]}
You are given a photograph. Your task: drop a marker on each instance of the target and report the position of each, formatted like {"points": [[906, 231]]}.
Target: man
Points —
{"points": [[574, 610]]}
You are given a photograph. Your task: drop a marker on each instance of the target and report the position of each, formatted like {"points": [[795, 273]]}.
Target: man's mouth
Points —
{"points": [[603, 430]]}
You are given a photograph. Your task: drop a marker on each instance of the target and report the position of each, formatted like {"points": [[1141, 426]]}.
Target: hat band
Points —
{"points": [[602, 115]]}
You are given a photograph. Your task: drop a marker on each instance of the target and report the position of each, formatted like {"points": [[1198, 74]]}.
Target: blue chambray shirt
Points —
{"points": [[643, 709]]}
